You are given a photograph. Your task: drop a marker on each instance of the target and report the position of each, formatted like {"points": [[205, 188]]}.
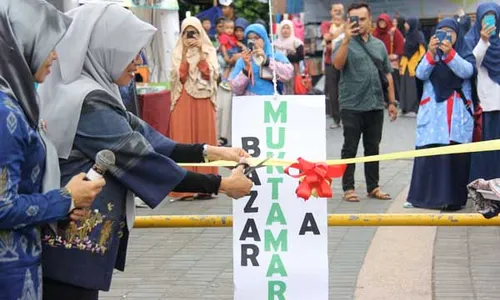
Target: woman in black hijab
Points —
{"points": [[413, 52]]}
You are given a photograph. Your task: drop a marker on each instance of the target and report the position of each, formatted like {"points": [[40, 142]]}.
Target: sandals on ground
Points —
{"points": [[379, 195], [350, 196]]}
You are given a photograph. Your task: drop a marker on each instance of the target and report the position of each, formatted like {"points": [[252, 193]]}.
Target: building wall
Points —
{"points": [[318, 10]]}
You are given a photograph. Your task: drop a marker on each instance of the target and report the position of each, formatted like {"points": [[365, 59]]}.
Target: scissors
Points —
{"points": [[249, 169]]}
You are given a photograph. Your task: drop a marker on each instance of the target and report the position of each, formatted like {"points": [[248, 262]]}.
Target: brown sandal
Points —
{"points": [[350, 196], [379, 195]]}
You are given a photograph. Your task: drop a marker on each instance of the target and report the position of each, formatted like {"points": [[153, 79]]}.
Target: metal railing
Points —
{"points": [[180, 221]]}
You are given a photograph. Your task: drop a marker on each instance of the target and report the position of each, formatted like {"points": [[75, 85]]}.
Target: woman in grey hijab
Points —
{"points": [[99, 53], [29, 31]]}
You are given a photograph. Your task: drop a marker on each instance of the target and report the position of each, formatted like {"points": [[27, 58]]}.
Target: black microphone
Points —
{"points": [[104, 160]]}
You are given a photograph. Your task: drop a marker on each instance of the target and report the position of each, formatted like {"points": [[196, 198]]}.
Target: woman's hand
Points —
{"points": [[246, 55], [433, 45], [486, 32], [259, 52], [446, 47], [194, 43], [83, 192], [226, 153], [237, 185], [77, 214]]}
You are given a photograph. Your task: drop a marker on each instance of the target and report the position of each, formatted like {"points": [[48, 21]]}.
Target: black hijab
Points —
{"points": [[414, 37]]}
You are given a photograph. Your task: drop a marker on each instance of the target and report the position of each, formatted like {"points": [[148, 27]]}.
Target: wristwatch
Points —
{"points": [[205, 153], [395, 103]]}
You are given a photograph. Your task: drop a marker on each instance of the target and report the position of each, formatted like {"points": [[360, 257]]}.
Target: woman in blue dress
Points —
{"points": [[29, 172], [252, 74], [444, 118], [484, 38]]}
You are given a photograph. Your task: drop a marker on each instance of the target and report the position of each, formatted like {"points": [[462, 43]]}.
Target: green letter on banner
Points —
{"points": [[276, 267], [275, 186], [271, 113], [280, 242], [275, 215], [281, 170], [281, 138], [276, 289]]}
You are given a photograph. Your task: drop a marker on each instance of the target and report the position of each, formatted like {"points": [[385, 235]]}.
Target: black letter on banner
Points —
{"points": [[250, 231], [254, 177], [251, 143], [248, 207], [245, 256], [309, 224]]}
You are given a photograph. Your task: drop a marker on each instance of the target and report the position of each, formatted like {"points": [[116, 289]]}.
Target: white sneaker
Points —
{"points": [[408, 205]]}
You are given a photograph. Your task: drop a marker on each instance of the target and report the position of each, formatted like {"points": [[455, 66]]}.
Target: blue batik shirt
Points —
{"points": [[22, 207]]}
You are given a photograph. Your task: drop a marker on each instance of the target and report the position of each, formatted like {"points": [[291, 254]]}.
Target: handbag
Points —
{"points": [[477, 115], [302, 82], [382, 76]]}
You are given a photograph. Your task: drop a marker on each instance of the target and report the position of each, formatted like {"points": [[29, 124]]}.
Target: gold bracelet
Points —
{"points": [[67, 192]]}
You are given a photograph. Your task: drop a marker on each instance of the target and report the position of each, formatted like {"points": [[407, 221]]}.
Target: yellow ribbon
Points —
{"points": [[492, 145]]}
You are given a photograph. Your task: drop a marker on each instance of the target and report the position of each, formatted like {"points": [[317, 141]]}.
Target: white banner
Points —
{"points": [[280, 242]]}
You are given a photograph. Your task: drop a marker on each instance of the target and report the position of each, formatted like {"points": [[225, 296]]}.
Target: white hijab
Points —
{"points": [[290, 43], [103, 39]]}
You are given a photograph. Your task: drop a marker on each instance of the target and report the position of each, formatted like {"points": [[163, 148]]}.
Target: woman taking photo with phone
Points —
{"points": [[484, 39], [194, 84], [445, 117], [253, 72]]}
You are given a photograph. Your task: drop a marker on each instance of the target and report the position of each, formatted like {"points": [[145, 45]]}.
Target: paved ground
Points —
{"points": [[197, 263]]}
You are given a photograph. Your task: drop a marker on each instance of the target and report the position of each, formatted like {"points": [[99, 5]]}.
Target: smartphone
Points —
{"points": [[190, 34], [440, 35], [354, 19], [250, 45], [448, 37], [490, 21]]}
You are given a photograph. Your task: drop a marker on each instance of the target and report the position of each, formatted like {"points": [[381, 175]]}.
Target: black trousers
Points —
{"points": [[397, 83], [332, 78], [55, 290], [369, 124]]}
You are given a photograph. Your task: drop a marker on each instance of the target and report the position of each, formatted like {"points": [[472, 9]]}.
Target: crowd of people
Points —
{"points": [[51, 134], [450, 84]]}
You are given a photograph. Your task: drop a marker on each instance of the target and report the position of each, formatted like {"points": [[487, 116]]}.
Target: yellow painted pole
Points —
{"points": [[180, 221]]}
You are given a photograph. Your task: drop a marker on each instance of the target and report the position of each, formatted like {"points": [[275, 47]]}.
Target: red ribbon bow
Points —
{"points": [[315, 178]]}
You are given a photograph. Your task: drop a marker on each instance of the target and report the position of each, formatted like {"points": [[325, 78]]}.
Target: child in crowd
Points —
{"points": [[229, 45], [207, 25]]}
